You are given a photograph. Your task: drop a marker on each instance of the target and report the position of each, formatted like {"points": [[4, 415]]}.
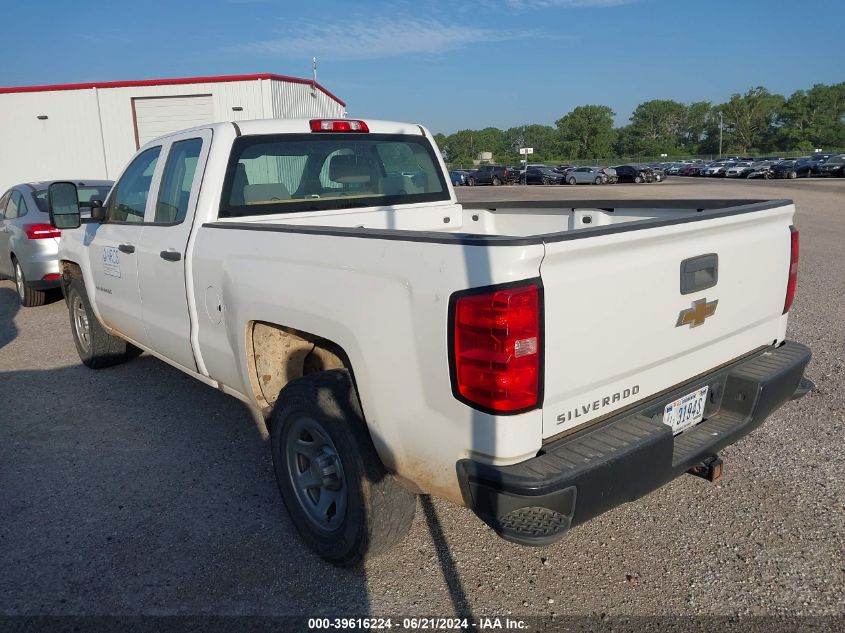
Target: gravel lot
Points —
{"points": [[137, 490]]}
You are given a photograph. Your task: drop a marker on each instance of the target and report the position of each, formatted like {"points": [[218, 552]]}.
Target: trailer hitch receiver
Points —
{"points": [[710, 469]]}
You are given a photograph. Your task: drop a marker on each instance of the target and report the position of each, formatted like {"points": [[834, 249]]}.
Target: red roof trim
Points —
{"points": [[168, 82]]}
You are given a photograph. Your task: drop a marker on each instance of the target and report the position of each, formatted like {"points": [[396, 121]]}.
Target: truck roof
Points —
{"points": [[302, 126]]}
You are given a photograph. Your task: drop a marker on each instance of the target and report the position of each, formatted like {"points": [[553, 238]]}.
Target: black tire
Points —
{"points": [[572, 181], [546, 180], [496, 182], [29, 297], [638, 179], [98, 349], [372, 511], [793, 175], [471, 182], [597, 181]]}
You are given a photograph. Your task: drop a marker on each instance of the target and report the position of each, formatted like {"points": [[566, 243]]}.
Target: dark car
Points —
{"points": [[632, 173], [491, 175], [816, 161], [800, 168], [542, 176], [833, 166]]}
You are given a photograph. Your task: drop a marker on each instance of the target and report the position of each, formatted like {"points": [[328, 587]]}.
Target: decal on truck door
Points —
{"points": [[111, 261]]}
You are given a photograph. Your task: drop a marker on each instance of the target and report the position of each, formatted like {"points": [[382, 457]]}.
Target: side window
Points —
{"points": [[129, 197], [177, 180], [22, 208], [3, 202], [14, 204]]}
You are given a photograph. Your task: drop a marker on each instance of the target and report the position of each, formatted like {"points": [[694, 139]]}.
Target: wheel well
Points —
{"points": [[68, 270], [279, 354]]}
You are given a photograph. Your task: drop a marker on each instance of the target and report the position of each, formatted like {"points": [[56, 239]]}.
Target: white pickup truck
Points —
{"points": [[536, 362]]}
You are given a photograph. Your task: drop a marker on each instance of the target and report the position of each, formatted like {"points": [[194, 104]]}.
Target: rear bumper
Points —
{"points": [[625, 457]]}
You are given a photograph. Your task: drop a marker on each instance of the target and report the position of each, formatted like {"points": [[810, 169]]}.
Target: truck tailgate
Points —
{"points": [[615, 330]]}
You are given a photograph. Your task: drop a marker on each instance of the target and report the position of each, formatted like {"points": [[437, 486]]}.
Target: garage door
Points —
{"points": [[155, 116]]}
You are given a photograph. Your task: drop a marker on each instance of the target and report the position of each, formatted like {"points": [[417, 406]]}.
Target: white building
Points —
{"points": [[78, 131]]}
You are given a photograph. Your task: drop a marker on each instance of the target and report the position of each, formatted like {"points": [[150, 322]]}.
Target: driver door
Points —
{"points": [[112, 247]]}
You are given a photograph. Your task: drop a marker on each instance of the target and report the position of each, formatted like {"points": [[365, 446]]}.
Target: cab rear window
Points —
{"points": [[309, 172]]}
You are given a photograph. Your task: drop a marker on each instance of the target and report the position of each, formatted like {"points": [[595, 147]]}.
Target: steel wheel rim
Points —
{"points": [[80, 324], [19, 281], [316, 474]]}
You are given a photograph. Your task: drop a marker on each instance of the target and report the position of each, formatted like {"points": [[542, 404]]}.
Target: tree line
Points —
{"points": [[756, 122]]}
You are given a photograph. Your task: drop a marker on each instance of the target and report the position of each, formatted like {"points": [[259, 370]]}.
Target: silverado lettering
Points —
{"points": [[584, 409]]}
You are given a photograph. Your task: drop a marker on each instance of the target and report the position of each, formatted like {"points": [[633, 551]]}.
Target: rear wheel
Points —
{"points": [[496, 182], [340, 498], [471, 182], [546, 180], [29, 297], [638, 179], [793, 174], [96, 347]]}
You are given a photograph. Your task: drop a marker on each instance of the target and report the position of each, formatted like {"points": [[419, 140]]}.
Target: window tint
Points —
{"points": [[303, 172], [177, 180], [14, 204], [129, 196]]}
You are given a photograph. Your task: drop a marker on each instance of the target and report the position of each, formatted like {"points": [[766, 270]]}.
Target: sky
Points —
{"points": [[447, 65]]}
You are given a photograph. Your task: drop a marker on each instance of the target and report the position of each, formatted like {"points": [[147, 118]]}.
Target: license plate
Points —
{"points": [[685, 412]]}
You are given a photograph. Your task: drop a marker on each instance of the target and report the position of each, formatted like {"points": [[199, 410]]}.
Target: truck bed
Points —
{"points": [[506, 223]]}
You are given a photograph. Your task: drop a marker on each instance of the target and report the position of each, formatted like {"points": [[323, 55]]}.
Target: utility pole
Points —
{"points": [[720, 134]]}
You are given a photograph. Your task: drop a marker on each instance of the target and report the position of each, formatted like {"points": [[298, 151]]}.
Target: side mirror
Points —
{"points": [[63, 205], [98, 211]]}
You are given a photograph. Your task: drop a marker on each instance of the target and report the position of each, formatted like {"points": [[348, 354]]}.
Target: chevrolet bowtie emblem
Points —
{"points": [[695, 315]]}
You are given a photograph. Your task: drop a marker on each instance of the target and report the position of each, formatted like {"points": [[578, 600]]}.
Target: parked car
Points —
{"points": [[658, 174], [541, 176], [739, 170], [491, 175], [631, 173], [833, 166], [471, 377], [29, 246], [458, 177], [612, 178], [816, 161], [791, 169], [762, 170], [586, 176], [718, 169]]}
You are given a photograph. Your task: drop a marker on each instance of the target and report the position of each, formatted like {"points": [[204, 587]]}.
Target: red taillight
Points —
{"points": [[338, 125], [793, 270], [41, 231], [496, 349], [50, 277]]}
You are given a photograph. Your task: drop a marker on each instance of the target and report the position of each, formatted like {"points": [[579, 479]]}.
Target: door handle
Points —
{"points": [[126, 248], [171, 256]]}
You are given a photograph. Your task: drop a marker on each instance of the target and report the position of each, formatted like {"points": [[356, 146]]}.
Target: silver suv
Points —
{"points": [[29, 246]]}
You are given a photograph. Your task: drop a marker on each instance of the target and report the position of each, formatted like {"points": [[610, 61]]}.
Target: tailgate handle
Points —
{"points": [[699, 273]]}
